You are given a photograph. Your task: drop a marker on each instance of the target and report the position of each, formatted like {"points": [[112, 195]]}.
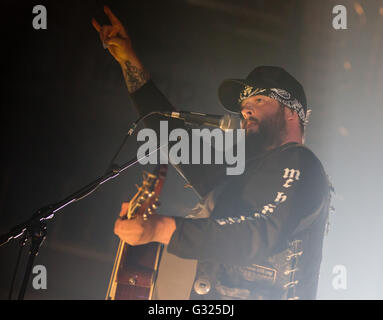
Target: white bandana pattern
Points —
{"points": [[280, 95]]}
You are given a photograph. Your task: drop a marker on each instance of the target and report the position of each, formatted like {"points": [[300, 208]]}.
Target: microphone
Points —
{"points": [[225, 122]]}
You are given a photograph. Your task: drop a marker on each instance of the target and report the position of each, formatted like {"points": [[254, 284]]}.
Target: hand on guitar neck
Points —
{"points": [[139, 231]]}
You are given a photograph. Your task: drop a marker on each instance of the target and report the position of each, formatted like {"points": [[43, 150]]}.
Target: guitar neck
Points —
{"points": [[111, 293]]}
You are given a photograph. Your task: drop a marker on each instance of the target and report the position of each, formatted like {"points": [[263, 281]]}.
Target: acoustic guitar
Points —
{"points": [[135, 268]]}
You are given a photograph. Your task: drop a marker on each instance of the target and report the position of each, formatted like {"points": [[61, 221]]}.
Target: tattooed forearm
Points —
{"points": [[135, 77]]}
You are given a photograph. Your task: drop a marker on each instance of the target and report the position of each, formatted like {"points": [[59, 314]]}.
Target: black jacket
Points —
{"points": [[258, 235]]}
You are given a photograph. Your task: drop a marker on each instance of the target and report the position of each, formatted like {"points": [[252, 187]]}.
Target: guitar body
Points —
{"points": [[137, 271], [136, 267]]}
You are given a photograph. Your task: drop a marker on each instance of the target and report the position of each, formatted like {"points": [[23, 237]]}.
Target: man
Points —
{"points": [[257, 235]]}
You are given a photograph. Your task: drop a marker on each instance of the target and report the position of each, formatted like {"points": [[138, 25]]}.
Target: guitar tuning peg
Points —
{"points": [[145, 216], [156, 204], [150, 211]]}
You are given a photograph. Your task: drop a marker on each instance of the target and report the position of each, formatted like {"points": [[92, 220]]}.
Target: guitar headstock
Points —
{"points": [[146, 200]]}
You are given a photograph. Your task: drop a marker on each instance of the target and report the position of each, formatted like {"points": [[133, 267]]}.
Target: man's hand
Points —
{"points": [[138, 231], [116, 39]]}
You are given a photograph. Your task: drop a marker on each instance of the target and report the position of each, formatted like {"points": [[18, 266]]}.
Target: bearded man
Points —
{"points": [[258, 235]]}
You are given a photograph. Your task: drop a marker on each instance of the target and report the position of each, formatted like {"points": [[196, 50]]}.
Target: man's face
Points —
{"points": [[263, 121]]}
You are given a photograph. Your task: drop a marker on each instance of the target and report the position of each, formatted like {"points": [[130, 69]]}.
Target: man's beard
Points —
{"points": [[269, 135]]}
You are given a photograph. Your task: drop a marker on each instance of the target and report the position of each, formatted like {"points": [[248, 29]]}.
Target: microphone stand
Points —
{"points": [[35, 228]]}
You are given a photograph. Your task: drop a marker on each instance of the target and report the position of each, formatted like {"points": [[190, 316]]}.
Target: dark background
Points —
{"points": [[65, 110]]}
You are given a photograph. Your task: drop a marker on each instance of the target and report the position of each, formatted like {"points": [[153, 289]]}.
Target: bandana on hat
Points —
{"points": [[280, 95], [271, 81]]}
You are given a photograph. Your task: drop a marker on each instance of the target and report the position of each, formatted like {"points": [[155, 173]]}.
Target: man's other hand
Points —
{"points": [[137, 231]]}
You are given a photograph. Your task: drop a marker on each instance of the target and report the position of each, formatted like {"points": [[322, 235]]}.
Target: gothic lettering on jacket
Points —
{"points": [[290, 175], [289, 178]]}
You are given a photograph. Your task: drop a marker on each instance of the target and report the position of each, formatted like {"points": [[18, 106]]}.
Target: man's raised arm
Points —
{"points": [[145, 95], [115, 38], [143, 92]]}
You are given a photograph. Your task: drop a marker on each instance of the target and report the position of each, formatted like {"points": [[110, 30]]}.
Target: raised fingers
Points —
{"points": [[96, 25], [115, 22], [113, 19]]}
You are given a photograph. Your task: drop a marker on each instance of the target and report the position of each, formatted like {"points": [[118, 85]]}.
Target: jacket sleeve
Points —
{"points": [[278, 196]]}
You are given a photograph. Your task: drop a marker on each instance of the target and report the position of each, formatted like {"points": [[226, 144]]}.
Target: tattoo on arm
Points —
{"points": [[135, 77]]}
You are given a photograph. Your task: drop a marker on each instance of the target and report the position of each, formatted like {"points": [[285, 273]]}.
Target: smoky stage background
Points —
{"points": [[65, 110]]}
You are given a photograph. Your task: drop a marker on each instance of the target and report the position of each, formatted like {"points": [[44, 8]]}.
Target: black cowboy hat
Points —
{"points": [[277, 82]]}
